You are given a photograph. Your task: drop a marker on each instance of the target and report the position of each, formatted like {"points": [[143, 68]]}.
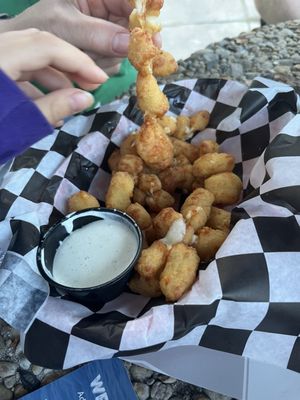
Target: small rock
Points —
{"points": [[286, 32], [282, 69], [10, 381], [7, 369], [24, 363], [2, 345], [142, 390], [211, 60], [236, 70], [296, 67], [215, 396], [36, 369], [5, 394], [160, 391], [29, 380], [19, 391], [296, 59], [223, 53], [140, 374], [166, 379], [150, 381], [200, 396], [287, 62], [182, 388]]}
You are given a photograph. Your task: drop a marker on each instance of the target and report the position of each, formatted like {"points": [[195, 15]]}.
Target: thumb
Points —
{"points": [[100, 36], [62, 103]]}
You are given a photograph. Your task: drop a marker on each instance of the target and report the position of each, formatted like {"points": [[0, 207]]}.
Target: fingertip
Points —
{"points": [[100, 75], [80, 100]]}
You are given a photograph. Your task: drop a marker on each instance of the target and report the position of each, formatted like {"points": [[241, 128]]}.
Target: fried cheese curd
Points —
{"points": [[209, 241], [164, 64], [145, 287], [180, 271], [225, 186], [152, 260], [153, 145], [81, 201], [140, 215], [151, 100], [120, 191], [141, 50], [146, 15]]}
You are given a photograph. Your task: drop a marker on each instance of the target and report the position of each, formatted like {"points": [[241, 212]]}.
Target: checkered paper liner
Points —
{"points": [[246, 302]]}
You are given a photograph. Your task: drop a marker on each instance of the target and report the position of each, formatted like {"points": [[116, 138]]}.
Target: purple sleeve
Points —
{"points": [[21, 122]]}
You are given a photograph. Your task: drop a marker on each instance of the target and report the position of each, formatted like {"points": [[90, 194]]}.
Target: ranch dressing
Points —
{"points": [[94, 254]]}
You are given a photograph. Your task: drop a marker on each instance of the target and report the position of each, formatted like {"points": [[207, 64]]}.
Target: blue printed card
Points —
{"points": [[97, 380]]}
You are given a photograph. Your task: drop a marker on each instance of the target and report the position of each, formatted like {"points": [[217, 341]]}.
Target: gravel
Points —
{"points": [[270, 51]]}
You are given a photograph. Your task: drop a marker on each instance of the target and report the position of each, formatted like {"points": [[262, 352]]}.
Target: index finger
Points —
{"points": [[37, 49]]}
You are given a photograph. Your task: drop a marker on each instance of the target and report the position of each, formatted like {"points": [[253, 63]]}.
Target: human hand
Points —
{"points": [[36, 55], [98, 27]]}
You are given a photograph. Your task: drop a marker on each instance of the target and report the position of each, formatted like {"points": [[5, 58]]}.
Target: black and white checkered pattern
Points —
{"points": [[246, 302]]}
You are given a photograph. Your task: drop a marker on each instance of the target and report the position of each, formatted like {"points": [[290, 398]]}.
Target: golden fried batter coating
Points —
{"points": [[180, 271], [180, 177], [154, 146], [120, 191], [196, 208], [199, 183], [180, 161], [150, 235], [132, 164], [208, 146], [168, 123], [199, 121], [149, 183], [145, 287], [139, 196], [212, 163], [81, 201], [151, 100], [219, 219], [159, 200], [163, 221], [183, 131], [189, 235], [226, 187], [189, 150], [140, 215], [209, 241], [141, 50], [113, 160], [128, 145], [164, 64], [152, 260], [200, 197], [195, 216], [153, 7]]}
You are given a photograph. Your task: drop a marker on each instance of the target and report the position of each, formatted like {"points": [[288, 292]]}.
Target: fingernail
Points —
{"points": [[101, 74], [81, 100], [120, 43]]}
